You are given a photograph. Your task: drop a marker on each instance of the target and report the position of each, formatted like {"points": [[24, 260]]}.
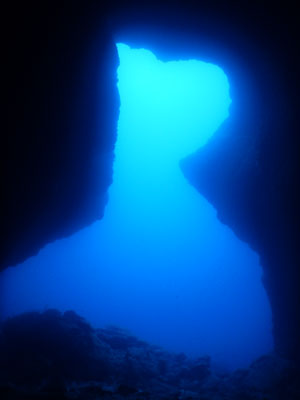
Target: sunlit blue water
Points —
{"points": [[160, 263]]}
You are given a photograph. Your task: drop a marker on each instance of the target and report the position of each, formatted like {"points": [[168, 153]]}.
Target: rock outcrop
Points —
{"points": [[51, 355], [250, 174], [57, 152]]}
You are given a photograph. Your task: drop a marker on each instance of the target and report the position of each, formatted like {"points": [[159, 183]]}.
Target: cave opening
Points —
{"points": [[160, 263]]}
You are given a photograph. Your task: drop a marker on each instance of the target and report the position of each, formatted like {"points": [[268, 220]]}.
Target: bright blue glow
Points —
{"points": [[179, 105], [160, 263]]}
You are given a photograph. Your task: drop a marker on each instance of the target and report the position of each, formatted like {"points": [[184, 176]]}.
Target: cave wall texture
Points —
{"points": [[57, 149]]}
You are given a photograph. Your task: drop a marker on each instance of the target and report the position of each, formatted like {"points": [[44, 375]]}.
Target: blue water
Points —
{"points": [[159, 264]]}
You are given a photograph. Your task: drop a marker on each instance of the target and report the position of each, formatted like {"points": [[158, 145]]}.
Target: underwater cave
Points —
{"points": [[150, 217], [159, 264]]}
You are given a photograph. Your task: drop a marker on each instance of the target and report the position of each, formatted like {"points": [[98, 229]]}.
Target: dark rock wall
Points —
{"points": [[256, 196], [63, 109], [57, 150]]}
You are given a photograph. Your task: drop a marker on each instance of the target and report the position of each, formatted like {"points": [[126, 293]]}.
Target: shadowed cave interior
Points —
{"points": [[58, 160]]}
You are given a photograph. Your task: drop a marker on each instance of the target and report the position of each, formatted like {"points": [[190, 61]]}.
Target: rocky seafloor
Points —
{"points": [[54, 355]]}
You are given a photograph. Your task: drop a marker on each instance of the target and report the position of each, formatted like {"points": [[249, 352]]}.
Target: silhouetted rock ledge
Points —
{"points": [[51, 355]]}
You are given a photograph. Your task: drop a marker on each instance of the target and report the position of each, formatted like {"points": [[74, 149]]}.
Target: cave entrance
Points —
{"points": [[160, 263], [185, 272]]}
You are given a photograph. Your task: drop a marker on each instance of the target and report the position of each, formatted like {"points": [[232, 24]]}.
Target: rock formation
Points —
{"points": [[51, 355]]}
